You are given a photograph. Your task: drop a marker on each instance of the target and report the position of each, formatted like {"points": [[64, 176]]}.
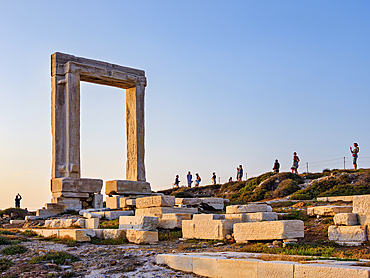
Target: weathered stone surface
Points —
{"points": [[178, 262], [45, 213], [155, 201], [329, 271], [111, 215], [145, 223], [275, 269], [57, 208], [237, 268], [206, 266], [113, 202], [361, 206], [268, 230], [114, 234], [206, 217], [216, 203], [159, 211], [17, 221], [348, 219], [76, 185], [142, 237], [97, 201], [347, 233], [70, 203], [173, 220], [188, 201], [247, 208], [328, 210], [77, 235], [211, 229], [127, 187], [131, 202], [92, 223], [252, 217], [89, 215], [67, 194]]}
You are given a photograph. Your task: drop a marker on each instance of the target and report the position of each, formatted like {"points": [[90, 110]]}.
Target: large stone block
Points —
{"points": [[211, 229], [111, 215], [127, 187], [77, 235], [216, 203], [330, 271], [248, 208], [328, 210], [206, 266], [55, 208], [76, 185], [243, 268], [113, 202], [206, 217], [173, 220], [114, 234], [146, 223], [347, 219], [92, 223], [347, 233], [70, 203], [67, 194], [276, 269], [252, 217], [159, 211], [97, 202], [188, 201], [142, 237], [155, 201], [175, 261], [43, 213], [268, 230]]}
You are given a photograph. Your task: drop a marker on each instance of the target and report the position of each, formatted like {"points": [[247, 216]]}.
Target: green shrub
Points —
{"points": [[286, 187], [110, 241], [54, 257], [296, 215], [5, 264], [13, 250], [313, 176], [314, 190], [169, 234], [29, 233], [4, 241]]}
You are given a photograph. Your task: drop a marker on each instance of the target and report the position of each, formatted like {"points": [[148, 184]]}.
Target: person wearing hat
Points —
{"points": [[354, 154]]}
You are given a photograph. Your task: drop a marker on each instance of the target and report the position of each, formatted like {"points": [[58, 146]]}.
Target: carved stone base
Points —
{"points": [[125, 187]]}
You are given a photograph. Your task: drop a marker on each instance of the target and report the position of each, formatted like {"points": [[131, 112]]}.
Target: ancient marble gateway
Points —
{"points": [[67, 186]]}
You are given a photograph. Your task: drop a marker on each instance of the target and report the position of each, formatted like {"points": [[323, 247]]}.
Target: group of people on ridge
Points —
{"points": [[275, 168]]}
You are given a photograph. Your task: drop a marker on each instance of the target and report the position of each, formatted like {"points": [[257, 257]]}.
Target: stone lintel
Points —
{"points": [[127, 187], [76, 185]]}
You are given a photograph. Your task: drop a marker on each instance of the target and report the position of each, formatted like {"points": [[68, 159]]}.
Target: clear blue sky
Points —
{"points": [[229, 83]]}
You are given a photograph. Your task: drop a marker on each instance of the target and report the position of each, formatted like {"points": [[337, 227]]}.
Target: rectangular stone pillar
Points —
{"points": [[135, 167]]}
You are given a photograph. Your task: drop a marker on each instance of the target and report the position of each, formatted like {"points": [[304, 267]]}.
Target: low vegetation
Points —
{"points": [[55, 257], [169, 234], [5, 264], [112, 224], [109, 241], [13, 250]]}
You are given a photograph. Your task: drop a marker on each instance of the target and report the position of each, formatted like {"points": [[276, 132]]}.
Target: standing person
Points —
{"points": [[18, 199], [237, 173], [276, 167], [295, 163], [240, 173], [354, 154], [197, 180], [177, 181], [230, 179], [189, 178], [214, 178]]}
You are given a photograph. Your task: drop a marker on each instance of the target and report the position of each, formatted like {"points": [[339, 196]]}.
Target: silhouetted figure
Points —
{"points": [[230, 179], [197, 180], [177, 181], [240, 173], [214, 178], [355, 154], [295, 163], [189, 178], [18, 199], [276, 167]]}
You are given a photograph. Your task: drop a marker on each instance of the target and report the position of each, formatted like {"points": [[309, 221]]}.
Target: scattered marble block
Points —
{"points": [[347, 219], [361, 204], [113, 202], [142, 237], [77, 235], [252, 217], [235, 209], [328, 210], [97, 201], [173, 220], [206, 217], [89, 215], [70, 203], [145, 223], [92, 223], [125, 187], [155, 201], [17, 221], [111, 215], [210, 229], [329, 271], [76, 185], [114, 234], [268, 230], [216, 203], [43, 213], [159, 211], [347, 234], [188, 201]]}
